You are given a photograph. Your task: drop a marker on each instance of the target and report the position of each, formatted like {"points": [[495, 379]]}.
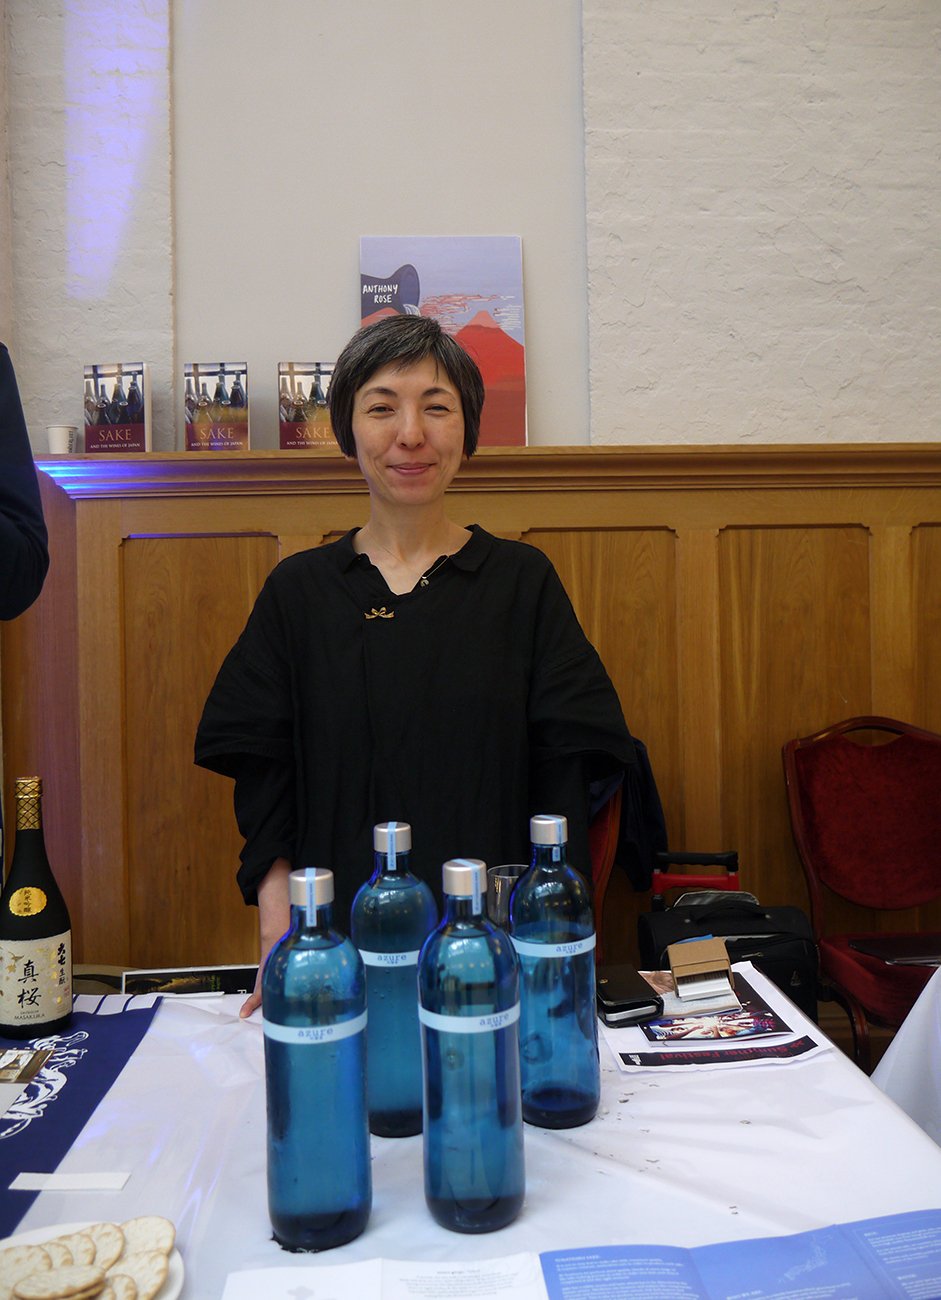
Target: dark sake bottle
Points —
{"points": [[91, 404], [118, 410], [314, 1012], [189, 401], [468, 980], [202, 413], [220, 400], [35, 931], [317, 397], [554, 936], [237, 398], [393, 914], [135, 402]]}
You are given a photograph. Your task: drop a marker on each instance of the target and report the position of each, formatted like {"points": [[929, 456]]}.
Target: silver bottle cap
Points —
{"points": [[464, 878], [392, 837], [546, 829], [320, 882]]}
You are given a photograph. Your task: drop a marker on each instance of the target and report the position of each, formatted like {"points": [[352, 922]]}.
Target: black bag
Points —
{"points": [[778, 940]]}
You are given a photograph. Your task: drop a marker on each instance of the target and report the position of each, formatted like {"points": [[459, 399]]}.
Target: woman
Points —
{"points": [[413, 671]]}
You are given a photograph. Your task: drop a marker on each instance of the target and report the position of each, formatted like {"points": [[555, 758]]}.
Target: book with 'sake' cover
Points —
{"points": [[303, 417], [118, 407], [216, 406]]}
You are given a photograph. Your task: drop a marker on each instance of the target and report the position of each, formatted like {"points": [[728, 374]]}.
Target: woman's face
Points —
{"points": [[408, 426]]}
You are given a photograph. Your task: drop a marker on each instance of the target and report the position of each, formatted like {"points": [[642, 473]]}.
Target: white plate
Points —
{"points": [[173, 1283]]}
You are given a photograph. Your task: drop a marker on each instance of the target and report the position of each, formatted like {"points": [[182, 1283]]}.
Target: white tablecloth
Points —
{"points": [[910, 1070], [679, 1158]]}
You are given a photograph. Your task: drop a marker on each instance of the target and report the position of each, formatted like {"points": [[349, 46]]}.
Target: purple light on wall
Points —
{"points": [[116, 78]]}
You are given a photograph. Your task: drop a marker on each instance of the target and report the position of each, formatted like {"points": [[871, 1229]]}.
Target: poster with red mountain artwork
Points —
{"points": [[473, 285]]}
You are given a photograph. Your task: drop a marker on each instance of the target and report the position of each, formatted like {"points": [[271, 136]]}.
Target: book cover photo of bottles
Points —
{"points": [[118, 407], [215, 401], [303, 417]]}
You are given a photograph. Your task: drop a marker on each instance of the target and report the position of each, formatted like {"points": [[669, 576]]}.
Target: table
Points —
{"points": [[685, 1159], [910, 1070]]}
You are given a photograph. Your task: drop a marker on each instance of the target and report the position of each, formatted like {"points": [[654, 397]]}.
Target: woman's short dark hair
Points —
{"points": [[402, 341]]}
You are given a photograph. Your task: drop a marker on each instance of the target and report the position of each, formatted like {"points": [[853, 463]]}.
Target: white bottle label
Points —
{"points": [[390, 958], [314, 1033], [35, 980], [470, 1024], [574, 949]]}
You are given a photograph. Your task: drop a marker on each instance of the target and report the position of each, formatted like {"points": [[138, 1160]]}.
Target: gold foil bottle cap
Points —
{"points": [[28, 792]]}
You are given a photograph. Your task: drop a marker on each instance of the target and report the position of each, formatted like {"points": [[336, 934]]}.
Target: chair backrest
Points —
{"points": [[602, 843], [867, 817]]}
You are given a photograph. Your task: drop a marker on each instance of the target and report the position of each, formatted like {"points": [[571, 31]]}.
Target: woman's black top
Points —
{"points": [[461, 707]]}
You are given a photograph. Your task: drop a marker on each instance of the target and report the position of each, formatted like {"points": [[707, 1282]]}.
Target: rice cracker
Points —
{"points": [[73, 1282], [149, 1232], [109, 1243], [80, 1245], [17, 1262], [147, 1268], [118, 1286]]}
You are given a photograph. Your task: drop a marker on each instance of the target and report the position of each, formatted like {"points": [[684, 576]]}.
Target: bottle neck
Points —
{"points": [[549, 857], [29, 813], [458, 907], [321, 921], [391, 864]]}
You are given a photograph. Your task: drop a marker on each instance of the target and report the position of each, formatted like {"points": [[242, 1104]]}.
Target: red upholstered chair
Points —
{"points": [[867, 824]]}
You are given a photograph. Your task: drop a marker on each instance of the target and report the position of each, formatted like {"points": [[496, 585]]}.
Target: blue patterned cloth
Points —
{"points": [[47, 1117]]}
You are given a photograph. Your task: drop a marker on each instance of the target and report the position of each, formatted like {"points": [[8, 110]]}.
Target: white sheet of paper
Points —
{"points": [[104, 1182], [516, 1276], [362, 1281]]}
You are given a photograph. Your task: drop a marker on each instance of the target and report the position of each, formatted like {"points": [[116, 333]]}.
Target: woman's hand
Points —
{"points": [[274, 918]]}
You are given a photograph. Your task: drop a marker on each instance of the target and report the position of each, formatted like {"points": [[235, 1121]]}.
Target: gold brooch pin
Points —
{"points": [[381, 613]]}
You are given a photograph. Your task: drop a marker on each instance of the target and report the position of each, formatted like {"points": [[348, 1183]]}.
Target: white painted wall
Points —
{"points": [[760, 181], [89, 150], [298, 126], [6, 242], [763, 189]]}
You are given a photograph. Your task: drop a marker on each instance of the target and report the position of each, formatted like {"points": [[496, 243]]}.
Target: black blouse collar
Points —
{"points": [[470, 557]]}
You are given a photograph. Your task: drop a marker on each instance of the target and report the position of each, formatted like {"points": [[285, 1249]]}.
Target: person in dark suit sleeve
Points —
{"points": [[24, 557]]}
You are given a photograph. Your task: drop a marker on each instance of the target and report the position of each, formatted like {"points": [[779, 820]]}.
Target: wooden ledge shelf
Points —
{"points": [[495, 469]]}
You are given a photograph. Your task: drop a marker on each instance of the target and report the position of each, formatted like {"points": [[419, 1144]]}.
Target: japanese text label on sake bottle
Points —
{"points": [[35, 931], [468, 980], [314, 1013], [392, 916], [553, 932]]}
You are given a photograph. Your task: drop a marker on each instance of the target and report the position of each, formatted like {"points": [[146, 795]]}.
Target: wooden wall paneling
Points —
{"points": [[697, 599], [186, 600], [794, 657], [100, 666], [926, 546], [622, 584], [737, 595], [891, 627], [294, 543]]}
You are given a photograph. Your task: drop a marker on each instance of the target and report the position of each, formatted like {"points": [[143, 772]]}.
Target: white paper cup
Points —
{"points": [[61, 438]]}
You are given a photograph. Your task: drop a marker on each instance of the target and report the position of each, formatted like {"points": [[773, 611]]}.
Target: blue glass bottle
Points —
{"points": [[554, 935], [468, 982], [314, 1008], [393, 914]]}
